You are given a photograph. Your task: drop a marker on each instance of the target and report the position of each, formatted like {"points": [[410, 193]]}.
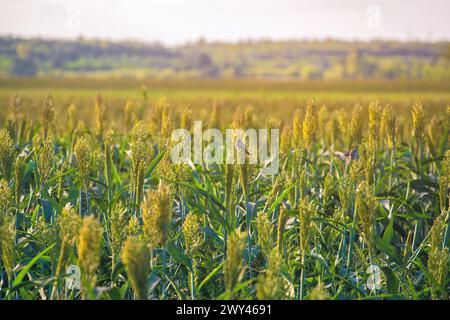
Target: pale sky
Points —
{"points": [[177, 21]]}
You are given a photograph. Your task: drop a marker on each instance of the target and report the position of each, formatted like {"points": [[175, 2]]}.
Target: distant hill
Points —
{"points": [[253, 59]]}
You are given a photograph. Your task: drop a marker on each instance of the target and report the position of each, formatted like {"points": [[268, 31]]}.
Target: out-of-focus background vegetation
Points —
{"points": [[305, 60]]}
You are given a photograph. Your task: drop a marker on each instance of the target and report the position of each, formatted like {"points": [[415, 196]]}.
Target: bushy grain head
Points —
{"points": [[319, 293], [16, 112], [346, 191], [366, 155], [89, 251], [83, 154], [193, 235], [418, 117], [344, 128], [48, 117], [375, 111], [101, 116], [329, 187], [271, 284], [7, 153], [286, 139], [234, 264], [157, 216], [166, 124], [72, 117], [438, 257], [139, 150], [6, 198], [119, 222], [333, 129], [156, 117], [8, 243], [45, 158], [356, 126], [306, 213], [434, 133], [265, 233], [310, 124], [186, 119], [69, 224], [134, 228], [297, 128], [136, 259], [392, 125], [366, 208], [358, 171], [129, 114]]}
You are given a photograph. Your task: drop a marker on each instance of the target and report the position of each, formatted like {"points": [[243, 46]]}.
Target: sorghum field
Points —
{"points": [[358, 210]]}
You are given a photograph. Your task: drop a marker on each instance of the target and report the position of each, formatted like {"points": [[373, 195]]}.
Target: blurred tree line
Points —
{"points": [[328, 59]]}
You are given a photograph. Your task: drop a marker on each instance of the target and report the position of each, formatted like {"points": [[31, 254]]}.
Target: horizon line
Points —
{"points": [[227, 42]]}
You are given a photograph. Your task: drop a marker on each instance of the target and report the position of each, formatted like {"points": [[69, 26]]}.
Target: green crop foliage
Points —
{"points": [[358, 210]]}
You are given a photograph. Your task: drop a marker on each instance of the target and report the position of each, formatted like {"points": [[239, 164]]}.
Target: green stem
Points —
{"points": [[302, 279], [351, 240]]}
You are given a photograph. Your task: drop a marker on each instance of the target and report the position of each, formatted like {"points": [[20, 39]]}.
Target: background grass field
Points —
{"points": [[276, 98]]}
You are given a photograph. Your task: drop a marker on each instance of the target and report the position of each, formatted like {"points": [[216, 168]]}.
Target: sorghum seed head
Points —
{"points": [[129, 114], [438, 257], [234, 265], [306, 213], [418, 116], [157, 216], [297, 131], [134, 228], [89, 249], [101, 116], [48, 117], [7, 153], [83, 154], [193, 236], [265, 233], [8, 242], [6, 197], [45, 157], [310, 124], [356, 126], [366, 208], [375, 111], [271, 284], [118, 228], [72, 117], [136, 259]]}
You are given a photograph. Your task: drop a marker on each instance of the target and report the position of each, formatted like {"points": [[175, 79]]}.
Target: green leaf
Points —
{"points": [[48, 210], [154, 163], [179, 256], [210, 276], [388, 249], [389, 231], [281, 197], [25, 270], [392, 283]]}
